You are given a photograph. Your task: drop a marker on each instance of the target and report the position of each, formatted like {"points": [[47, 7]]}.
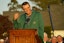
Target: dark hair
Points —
{"points": [[16, 12], [59, 35], [24, 3]]}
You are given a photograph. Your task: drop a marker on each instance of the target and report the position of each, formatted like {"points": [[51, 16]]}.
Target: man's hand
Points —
{"points": [[16, 16]]}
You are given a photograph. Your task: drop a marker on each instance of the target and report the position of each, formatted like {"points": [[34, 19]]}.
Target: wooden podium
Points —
{"points": [[22, 36]]}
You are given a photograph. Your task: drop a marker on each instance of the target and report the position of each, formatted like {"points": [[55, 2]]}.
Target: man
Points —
{"points": [[60, 39], [45, 40], [54, 39], [30, 20]]}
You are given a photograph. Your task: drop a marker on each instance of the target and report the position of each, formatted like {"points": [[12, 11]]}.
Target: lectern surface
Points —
{"points": [[22, 36]]}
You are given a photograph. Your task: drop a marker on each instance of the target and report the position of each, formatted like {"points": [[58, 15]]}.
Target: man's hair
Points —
{"points": [[24, 3], [59, 36], [54, 37]]}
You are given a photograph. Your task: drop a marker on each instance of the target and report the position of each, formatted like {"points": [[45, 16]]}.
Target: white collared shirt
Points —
{"points": [[60, 42], [44, 41]]}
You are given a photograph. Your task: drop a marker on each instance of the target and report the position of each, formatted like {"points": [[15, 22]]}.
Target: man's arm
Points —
{"points": [[41, 26], [16, 24]]}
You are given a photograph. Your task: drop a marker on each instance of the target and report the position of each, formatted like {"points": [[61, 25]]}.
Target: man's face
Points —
{"points": [[54, 40], [59, 38], [45, 38], [26, 8]]}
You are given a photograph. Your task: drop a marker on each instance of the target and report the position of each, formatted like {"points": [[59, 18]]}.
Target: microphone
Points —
{"points": [[27, 20]]}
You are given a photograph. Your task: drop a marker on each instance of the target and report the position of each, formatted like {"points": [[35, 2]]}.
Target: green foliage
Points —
{"points": [[48, 29], [5, 25], [44, 3], [13, 1]]}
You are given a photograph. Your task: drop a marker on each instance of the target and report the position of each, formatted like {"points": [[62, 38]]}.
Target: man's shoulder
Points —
{"points": [[35, 11], [22, 15]]}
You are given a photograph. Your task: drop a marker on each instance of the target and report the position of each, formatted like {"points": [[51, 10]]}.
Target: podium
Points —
{"points": [[22, 36]]}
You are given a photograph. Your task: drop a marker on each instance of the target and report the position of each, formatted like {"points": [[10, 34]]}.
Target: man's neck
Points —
{"points": [[29, 14]]}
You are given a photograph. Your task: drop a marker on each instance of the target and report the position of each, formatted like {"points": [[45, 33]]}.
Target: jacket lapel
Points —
{"points": [[31, 18]]}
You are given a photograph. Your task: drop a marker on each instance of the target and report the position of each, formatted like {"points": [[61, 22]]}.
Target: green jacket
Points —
{"points": [[36, 22]]}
